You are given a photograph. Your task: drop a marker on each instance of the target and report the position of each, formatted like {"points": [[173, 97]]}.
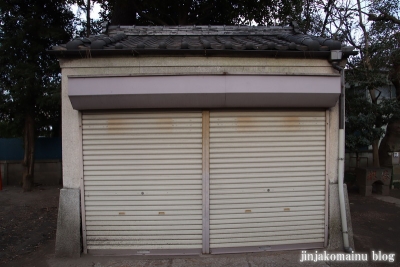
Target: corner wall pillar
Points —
{"points": [[68, 237]]}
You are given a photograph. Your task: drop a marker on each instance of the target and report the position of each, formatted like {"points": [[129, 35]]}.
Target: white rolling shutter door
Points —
{"points": [[267, 178], [143, 180]]}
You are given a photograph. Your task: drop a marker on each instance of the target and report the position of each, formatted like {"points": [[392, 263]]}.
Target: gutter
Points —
{"points": [[342, 205]]}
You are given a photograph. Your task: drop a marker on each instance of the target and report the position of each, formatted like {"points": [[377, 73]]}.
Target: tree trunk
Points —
{"points": [[29, 149], [88, 18], [375, 153], [391, 141], [357, 159]]}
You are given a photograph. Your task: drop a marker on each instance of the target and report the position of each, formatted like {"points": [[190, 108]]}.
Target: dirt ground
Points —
{"points": [[376, 224], [28, 224]]}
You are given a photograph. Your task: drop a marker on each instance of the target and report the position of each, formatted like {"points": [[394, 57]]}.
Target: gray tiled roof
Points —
{"points": [[230, 40]]}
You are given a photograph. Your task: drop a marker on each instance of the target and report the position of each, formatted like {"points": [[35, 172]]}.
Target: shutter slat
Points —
{"points": [[143, 180], [267, 178]]}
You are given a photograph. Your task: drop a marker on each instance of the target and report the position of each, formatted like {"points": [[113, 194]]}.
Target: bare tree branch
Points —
{"points": [[365, 38], [380, 92], [148, 16], [383, 17], [328, 11]]}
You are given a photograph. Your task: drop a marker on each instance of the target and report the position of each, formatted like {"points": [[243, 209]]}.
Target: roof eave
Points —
{"points": [[201, 52]]}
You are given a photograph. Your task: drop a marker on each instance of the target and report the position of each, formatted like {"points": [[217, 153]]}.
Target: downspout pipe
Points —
{"points": [[342, 205]]}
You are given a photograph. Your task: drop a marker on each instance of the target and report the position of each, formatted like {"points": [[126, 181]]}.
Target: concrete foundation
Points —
{"points": [[366, 190], [68, 237], [366, 177], [335, 223]]}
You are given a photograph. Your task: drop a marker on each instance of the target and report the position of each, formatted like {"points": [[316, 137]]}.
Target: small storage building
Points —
{"points": [[201, 139]]}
